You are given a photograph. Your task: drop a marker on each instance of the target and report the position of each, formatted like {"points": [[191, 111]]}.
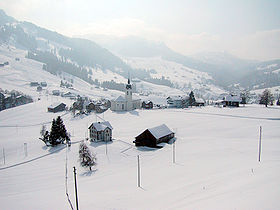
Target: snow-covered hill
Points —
{"points": [[184, 78], [216, 161]]}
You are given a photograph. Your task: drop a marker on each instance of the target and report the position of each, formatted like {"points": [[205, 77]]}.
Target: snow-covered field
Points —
{"points": [[216, 152], [216, 161]]}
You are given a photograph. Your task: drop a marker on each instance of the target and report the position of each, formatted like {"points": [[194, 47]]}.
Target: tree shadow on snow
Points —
{"points": [[97, 144], [134, 112], [54, 149], [88, 173]]}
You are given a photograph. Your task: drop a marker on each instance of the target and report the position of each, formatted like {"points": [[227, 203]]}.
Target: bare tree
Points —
{"points": [[266, 98], [87, 159]]}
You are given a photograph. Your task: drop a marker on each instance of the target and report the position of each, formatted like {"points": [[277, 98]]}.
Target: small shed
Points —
{"points": [[147, 105], [199, 102], [153, 136], [100, 131], [56, 107]]}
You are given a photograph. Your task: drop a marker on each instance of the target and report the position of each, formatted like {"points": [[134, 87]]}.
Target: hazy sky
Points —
{"points": [[246, 28]]}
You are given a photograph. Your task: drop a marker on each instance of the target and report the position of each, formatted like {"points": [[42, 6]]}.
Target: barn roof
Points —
{"points": [[160, 131], [101, 126], [55, 105], [232, 98]]}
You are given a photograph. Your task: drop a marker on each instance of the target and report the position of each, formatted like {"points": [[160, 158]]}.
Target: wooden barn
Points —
{"points": [[56, 107], [153, 136], [231, 100]]}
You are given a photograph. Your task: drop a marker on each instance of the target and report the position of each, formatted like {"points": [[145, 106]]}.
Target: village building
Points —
{"points": [[199, 102], [56, 107], [100, 131], [153, 136], [231, 100], [56, 92], [126, 103], [147, 105]]}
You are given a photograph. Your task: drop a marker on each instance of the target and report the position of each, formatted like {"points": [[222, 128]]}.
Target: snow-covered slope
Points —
{"points": [[216, 161], [184, 78]]}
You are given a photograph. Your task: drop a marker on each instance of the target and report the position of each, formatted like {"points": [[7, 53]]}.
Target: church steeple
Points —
{"points": [[128, 86]]}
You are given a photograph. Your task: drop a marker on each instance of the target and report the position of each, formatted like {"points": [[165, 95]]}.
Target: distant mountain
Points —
{"points": [[225, 68]]}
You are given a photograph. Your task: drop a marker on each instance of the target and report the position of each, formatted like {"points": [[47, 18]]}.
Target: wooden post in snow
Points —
{"points": [[76, 190], [138, 163], [260, 144], [174, 152], [4, 156], [25, 149]]}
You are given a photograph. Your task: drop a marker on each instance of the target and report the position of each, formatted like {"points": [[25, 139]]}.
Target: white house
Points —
{"points": [[126, 103], [100, 131]]}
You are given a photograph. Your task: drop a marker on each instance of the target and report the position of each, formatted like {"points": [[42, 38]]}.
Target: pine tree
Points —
{"points": [[191, 99], [54, 135], [87, 159], [58, 134]]}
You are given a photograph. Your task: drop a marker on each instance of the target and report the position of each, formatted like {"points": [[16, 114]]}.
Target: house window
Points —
{"points": [[126, 92], [122, 106]]}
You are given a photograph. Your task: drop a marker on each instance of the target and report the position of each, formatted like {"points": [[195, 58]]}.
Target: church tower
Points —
{"points": [[128, 95]]}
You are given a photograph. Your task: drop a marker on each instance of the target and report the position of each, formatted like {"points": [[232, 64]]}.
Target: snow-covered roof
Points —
{"points": [[232, 98], [160, 131], [55, 105], [120, 98], [101, 126], [199, 100]]}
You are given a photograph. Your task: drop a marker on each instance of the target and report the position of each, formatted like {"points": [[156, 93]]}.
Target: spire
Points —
{"points": [[128, 86]]}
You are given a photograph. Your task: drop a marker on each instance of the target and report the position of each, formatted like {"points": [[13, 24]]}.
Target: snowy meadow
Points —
{"points": [[216, 160]]}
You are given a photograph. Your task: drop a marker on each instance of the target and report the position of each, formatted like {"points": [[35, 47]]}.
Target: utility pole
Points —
{"points": [[76, 190], [25, 149], [138, 161], [174, 152], [260, 144], [4, 156]]}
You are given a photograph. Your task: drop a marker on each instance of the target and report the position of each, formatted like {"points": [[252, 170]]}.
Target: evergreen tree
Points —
{"points": [[87, 159], [58, 134], [278, 102], [266, 98], [54, 135], [191, 99]]}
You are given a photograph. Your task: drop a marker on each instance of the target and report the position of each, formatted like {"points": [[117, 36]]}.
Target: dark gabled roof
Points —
{"points": [[56, 105]]}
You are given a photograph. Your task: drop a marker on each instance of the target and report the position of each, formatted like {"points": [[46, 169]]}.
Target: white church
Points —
{"points": [[126, 103]]}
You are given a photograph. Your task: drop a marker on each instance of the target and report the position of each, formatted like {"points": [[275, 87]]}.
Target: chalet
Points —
{"points": [[100, 131], [231, 100], [22, 99], [56, 107], [153, 136], [175, 102], [147, 104], [43, 84], [39, 88], [199, 102], [56, 92], [69, 95], [90, 106], [34, 84], [100, 109]]}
